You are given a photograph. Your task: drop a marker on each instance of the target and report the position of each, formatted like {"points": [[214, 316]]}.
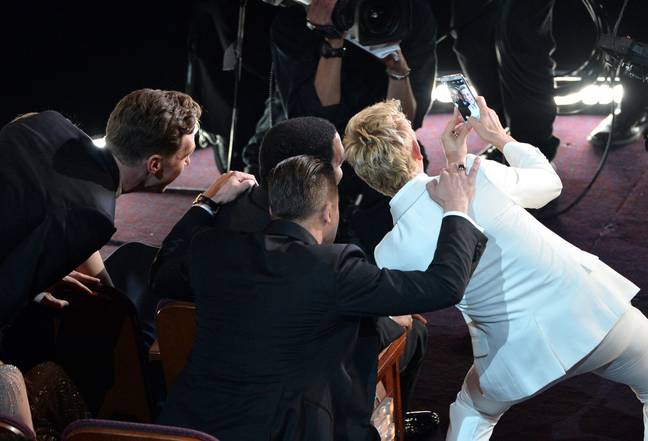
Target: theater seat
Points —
{"points": [[11, 429], [100, 346], [176, 330], [389, 377], [105, 430]]}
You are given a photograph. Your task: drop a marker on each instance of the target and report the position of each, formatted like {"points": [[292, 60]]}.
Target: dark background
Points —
{"points": [[80, 58]]}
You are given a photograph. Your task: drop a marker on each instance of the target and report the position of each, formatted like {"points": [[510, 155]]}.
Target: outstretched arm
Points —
{"points": [[364, 289], [530, 181]]}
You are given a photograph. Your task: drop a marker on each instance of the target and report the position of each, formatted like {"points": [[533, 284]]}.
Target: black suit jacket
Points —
{"points": [[277, 316], [57, 192], [170, 272]]}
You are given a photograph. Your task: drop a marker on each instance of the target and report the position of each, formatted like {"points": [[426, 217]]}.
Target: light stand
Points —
{"points": [[238, 56]]}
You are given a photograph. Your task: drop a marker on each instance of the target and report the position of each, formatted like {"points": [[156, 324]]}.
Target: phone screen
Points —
{"points": [[461, 95]]}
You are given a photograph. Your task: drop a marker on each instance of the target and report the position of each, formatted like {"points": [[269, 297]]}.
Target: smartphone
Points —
{"points": [[461, 95]]}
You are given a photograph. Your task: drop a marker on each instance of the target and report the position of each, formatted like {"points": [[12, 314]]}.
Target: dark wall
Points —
{"points": [[81, 57]]}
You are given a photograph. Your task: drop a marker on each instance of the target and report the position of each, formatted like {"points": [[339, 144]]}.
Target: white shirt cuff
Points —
{"points": [[465, 216], [40, 297], [205, 207]]}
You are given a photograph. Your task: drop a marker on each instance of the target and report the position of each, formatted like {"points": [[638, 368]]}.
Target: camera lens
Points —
{"points": [[379, 17]]}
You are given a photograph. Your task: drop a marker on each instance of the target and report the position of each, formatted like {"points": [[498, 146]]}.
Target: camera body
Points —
{"points": [[370, 22]]}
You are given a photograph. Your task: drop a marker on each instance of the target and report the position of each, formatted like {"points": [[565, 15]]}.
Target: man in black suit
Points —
{"points": [[249, 213], [279, 311], [57, 190]]}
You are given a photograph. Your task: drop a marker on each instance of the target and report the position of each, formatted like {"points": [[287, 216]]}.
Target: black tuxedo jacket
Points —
{"points": [[170, 272], [57, 192], [278, 315]]}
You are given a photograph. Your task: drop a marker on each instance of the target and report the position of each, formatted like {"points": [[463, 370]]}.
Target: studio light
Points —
{"points": [[599, 93], [99, 142]]}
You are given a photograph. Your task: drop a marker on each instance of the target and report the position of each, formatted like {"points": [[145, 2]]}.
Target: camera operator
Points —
{"points": [[329, 77], [632, 121], [505, 48], [319, 73]]}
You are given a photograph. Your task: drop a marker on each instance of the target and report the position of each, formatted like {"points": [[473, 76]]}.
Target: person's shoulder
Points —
{"points": [[247, 213], [44, 117], [50, 122], [338, 255]]}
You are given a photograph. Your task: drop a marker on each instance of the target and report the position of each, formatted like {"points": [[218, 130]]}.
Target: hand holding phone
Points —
{"points": [[462, 97]]}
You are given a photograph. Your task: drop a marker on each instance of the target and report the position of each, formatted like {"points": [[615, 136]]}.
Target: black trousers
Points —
{"points": [[506, 54], [412, 359], [635, 92]]}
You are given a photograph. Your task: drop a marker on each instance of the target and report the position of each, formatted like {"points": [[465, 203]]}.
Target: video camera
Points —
{"points": [[370, 22], [630, 54]]}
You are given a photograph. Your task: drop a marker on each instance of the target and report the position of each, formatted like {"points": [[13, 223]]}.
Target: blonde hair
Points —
{"points": [[378, 147]]}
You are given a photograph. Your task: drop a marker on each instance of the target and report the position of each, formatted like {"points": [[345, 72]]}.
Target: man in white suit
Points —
{"points": [[539, 310]]}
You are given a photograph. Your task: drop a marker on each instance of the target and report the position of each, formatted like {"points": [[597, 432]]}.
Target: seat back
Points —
{"points": [[100, 346], [12, 429], [389, 377], [176, 329], [105, 430]]}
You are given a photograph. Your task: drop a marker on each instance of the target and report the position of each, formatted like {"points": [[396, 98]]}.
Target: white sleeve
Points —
{"points": [[530, 181], [465, 216]]}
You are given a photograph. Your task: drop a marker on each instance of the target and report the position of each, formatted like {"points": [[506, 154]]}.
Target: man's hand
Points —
{"points": [[454, 139], [404, 321], [396, 63], [74, 279], [489, 128], [420, 318], [228, 186], [321, 11], [455, 189]]}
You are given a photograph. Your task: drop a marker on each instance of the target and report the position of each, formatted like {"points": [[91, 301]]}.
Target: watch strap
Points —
{"points": [[329, 51], [207, 202]]}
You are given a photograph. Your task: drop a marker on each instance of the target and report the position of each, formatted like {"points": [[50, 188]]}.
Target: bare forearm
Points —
{"points": [[94, 267], [328, 84], [402, 90]]}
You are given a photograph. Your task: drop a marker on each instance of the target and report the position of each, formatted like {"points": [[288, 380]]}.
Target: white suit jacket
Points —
{"points": [[536, 304]]}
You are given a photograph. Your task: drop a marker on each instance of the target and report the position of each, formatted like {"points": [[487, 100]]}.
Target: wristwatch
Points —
{"points": [[329, 51], [208, 203]]}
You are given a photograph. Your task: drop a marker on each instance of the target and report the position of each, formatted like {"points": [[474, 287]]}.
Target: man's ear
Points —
{"points": [[416, 150], [154, 165], [327, 212]]}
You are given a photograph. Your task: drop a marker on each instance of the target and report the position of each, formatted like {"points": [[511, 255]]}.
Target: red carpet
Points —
{"points": [[609, 222]]}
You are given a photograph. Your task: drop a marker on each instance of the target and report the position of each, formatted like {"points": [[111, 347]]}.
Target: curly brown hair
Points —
{"points": [[147, 122]]}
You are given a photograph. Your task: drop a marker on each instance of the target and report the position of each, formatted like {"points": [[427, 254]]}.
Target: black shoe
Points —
{"points": [[624, 132], [419, 423]]}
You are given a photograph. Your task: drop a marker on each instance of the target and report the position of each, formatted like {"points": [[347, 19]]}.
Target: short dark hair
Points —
{"points": [[147, 122], [299, 186], [306, 135]]}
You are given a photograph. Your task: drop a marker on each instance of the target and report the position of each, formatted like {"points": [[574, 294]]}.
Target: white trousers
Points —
{"points": [[622, 357]]}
